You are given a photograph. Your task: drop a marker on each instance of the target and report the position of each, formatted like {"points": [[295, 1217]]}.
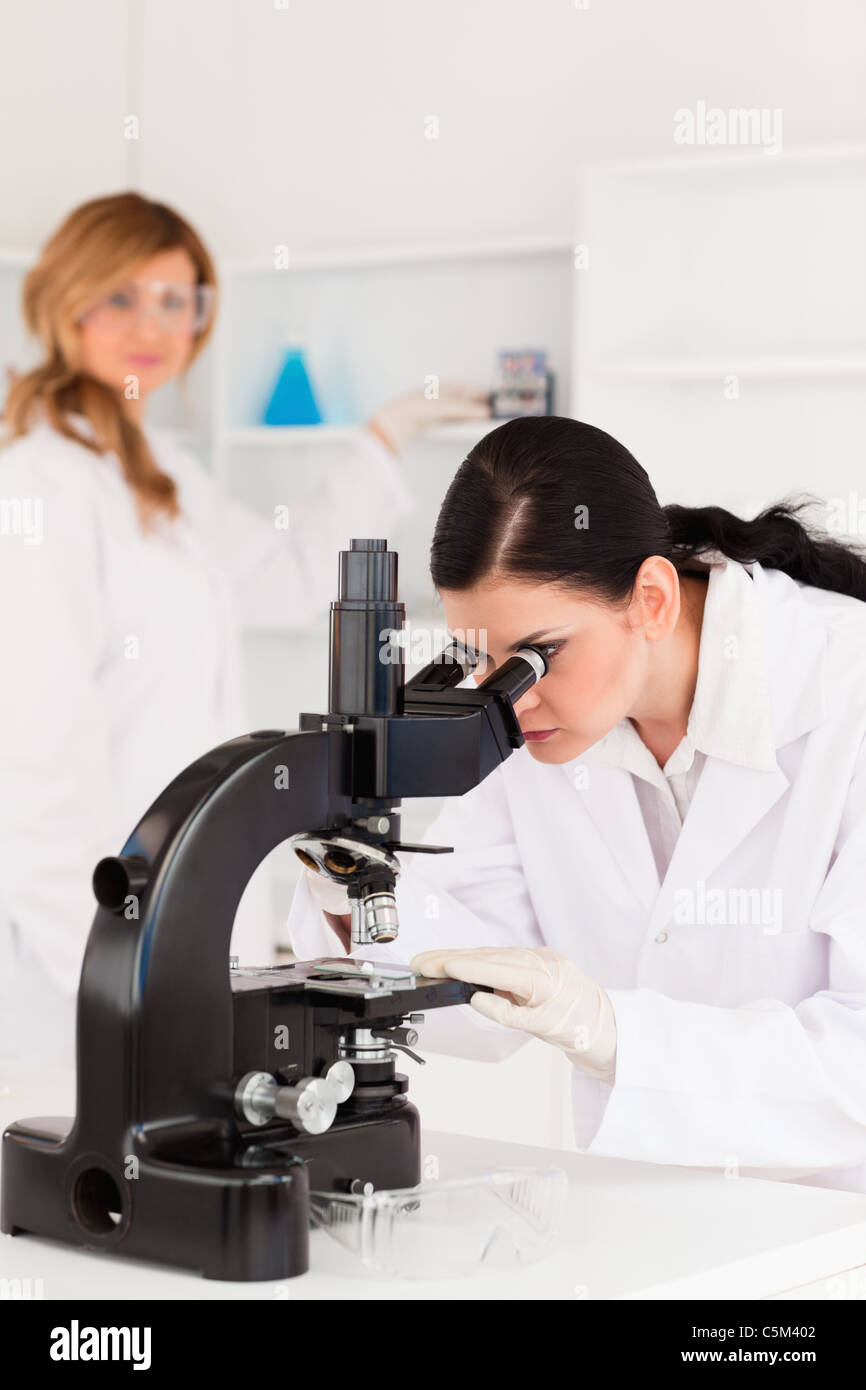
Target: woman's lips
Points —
{"points": [[144, 359], [538, 735]]}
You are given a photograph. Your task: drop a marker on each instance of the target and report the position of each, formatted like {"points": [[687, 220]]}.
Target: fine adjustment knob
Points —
{"points": [[311, 1105], [341, 1077]]}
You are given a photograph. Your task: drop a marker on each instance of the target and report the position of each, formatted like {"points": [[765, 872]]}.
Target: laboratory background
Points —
{"points": [[648, 217]]}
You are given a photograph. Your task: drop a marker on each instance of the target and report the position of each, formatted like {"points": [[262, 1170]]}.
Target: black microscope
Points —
{"points": [[212, 1099]]}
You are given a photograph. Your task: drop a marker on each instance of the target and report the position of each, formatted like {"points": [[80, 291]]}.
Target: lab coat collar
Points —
{"points": [[795, 647], [158, 440], [178, 529], [82, 424], [79, 422]]}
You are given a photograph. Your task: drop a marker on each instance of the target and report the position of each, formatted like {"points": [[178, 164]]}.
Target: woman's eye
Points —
{"points": [[550, 648]]}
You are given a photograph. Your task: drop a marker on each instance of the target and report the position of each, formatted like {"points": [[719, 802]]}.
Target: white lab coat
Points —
{"points": [[739, 1049], [121, 665]]}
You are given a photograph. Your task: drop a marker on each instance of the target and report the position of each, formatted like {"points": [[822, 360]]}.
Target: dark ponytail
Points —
{"points": [[549, 499]]}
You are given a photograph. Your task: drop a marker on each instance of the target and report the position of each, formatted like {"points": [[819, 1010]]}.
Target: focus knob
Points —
{"points": [[311, 1105]]}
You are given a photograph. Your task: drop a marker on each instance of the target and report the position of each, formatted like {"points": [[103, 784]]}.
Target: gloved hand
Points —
{"points": [[327, 894], [398, 421], [539, 991]]}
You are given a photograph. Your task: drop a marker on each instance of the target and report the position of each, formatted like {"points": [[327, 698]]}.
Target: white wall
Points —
{"points": [[305, 125]]}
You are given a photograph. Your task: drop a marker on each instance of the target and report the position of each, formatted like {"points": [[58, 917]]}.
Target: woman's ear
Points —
{"points": [[656, 598]]}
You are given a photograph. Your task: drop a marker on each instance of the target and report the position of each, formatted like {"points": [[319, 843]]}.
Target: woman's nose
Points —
{"points": [[148, 327], [527, 702]]}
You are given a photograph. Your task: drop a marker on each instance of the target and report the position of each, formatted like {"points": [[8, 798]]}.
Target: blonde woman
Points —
{"points": [[126, 574]]}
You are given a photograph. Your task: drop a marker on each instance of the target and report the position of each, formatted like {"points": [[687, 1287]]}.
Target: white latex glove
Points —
{"points": [[326, 894], [407, 416], [539, 991]]}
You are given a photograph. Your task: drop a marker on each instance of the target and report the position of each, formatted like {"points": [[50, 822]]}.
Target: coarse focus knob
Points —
{"points": [[311, 1105]]}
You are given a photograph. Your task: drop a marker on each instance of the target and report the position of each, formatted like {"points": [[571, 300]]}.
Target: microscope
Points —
{"points": [[211, 1100]]}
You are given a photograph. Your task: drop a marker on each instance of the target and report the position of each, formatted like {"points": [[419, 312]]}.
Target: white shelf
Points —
{"points": [[710, 368], [16, 257], [466, 429], [288, 436], [358, 257]]}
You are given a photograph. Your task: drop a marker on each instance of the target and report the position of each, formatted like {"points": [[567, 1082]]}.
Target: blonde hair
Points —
{"points": [[87, 254]]}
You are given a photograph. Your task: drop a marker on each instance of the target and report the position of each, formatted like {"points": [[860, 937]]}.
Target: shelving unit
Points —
{"points": [[721, 332]]}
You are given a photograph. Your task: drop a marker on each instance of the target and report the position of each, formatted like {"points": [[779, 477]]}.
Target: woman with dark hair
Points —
{"points": [[668, 881]]}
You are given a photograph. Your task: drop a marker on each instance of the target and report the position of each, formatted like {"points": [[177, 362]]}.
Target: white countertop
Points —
{"points": [[632, 1231]]}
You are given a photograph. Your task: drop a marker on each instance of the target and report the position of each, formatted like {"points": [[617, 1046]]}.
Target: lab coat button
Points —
{"points": [[662, 936]]}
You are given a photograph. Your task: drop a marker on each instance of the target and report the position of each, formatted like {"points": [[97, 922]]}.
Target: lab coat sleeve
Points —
{"points": [[54, 732], [476, 896], [761, 1086], [286, 577]]}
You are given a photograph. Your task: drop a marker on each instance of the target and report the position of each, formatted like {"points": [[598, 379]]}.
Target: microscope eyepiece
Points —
{"points": [[518, 674], [368, 572]]}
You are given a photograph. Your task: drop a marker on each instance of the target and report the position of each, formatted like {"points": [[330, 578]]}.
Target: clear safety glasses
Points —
{"points": [[440, 1230], [180, 308]]}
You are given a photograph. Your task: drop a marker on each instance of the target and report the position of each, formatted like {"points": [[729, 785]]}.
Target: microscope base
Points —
{"points": [[235, 1216]]}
